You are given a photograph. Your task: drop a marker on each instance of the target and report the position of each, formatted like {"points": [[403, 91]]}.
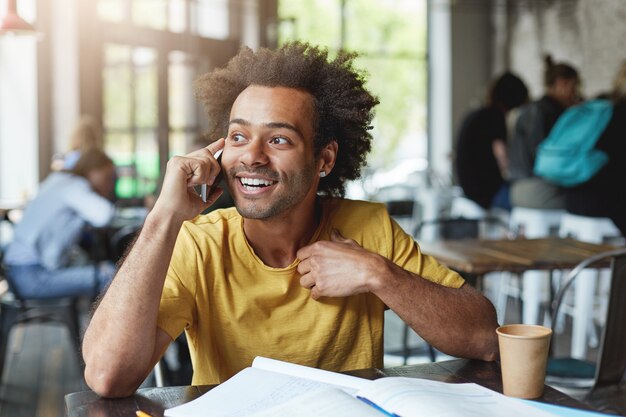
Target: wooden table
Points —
{"points": [[479, 256], [156, 400]]}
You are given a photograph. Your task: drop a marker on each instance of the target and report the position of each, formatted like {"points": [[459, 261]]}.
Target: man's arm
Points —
{"points": [[123, 342], [460, 322]]}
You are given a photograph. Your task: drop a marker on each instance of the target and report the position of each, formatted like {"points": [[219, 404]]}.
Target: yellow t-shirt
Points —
{"points": [[234, 307]]}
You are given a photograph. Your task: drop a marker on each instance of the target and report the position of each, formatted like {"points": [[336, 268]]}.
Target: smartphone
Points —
{"points": [[205, 191]]}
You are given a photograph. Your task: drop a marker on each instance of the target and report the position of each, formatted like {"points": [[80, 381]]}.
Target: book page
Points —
{"points": [[559, 410], [248, 392], [350, 384], [413, 397], [322, 402]]}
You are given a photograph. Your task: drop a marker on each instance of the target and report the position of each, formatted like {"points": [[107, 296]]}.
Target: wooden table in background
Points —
{"points": [[480, 256], [155, 400]]}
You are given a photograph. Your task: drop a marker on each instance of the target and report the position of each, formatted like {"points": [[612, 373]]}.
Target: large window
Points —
{"points": [[148, 107], [206, 18], [390, 36], [130, 117]]}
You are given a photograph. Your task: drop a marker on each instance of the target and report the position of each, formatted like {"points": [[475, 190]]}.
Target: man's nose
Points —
{"points": [[254, 154]]}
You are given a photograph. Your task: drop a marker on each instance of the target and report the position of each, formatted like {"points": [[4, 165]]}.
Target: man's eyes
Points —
{"points": [[237, 137], [275, 140], [279, 140]]}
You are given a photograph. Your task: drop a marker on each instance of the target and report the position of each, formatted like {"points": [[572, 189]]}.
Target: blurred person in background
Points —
{"points": [[603, 195], [87, 134], [562, 85], [44, 260], [481, 156]]}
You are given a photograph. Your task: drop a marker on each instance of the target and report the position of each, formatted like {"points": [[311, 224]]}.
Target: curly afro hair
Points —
{"points": [[344, 108]]}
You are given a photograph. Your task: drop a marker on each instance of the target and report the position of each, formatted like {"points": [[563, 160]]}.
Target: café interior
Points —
{"points": [[129, 67]]}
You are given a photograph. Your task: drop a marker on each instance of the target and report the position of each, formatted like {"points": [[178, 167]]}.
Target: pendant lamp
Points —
{"points": [[12, 24]]}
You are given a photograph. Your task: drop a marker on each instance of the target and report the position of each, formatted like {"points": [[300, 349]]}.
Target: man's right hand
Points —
{"points": [[178, 197], [123, 340]]}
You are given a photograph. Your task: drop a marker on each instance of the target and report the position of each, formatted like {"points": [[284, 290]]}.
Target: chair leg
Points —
{"points": [[69, 317], [432, 353], [8, 317], [405, 344], [158, 374]]}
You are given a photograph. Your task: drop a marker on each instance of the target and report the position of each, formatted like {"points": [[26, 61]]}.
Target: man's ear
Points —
{"points": [[328, 156]]}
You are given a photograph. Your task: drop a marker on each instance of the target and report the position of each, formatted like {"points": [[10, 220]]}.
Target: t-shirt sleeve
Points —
{"points": [[406, 253], [177, 308]]}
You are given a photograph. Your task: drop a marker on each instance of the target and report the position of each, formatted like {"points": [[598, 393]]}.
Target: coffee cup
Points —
{"points": [[523, 357]]}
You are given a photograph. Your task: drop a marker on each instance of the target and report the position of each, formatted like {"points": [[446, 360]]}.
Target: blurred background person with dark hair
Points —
{"points": [[481, 157], [43, 260], [562, 85]]}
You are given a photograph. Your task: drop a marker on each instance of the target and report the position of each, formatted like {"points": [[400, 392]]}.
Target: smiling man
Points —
{"points": [[293, 272]]}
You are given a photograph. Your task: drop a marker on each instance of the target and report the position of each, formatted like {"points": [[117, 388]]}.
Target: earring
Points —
{"points": [[322, 174]]}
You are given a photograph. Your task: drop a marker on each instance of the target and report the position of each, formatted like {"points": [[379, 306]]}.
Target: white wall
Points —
{"points": [[18, 118], [588, 34], [440, 86], [65, 95], [459, 52]]}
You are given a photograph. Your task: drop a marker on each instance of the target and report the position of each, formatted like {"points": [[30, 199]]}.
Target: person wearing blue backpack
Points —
{"points": [[603, 194]]}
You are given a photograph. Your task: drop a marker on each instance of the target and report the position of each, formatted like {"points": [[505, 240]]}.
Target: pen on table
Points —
{"points": [[203, 187], [142, 414], [378, 407]]}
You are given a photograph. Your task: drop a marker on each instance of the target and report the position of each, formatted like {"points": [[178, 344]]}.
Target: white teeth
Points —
{"points": [[255, 181]]}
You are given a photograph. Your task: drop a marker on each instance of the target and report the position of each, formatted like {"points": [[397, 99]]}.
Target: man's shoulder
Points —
{"points": [[349, 204], [343, 209], [214, 218]]}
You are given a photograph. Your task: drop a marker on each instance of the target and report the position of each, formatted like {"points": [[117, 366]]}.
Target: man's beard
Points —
{"points": [[293, 191]]}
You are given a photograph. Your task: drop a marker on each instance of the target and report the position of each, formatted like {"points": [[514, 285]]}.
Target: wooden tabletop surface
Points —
{"points": [[480, 256], [155, 400]]}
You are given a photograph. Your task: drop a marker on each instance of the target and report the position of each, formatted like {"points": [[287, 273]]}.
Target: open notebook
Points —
{"points": [[276, 388]]}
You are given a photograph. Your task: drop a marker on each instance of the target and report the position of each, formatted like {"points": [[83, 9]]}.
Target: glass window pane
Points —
{"points": [[147, 162], [178, 16], [211, 18], [182, 105], [376, 27], [146, 85], [119, 146], [112, 10], [316, 21], [405, 131], [117, 81], [150, 13], [177, 143], [182, 142]]}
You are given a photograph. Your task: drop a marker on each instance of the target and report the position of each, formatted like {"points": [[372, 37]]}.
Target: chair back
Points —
{"points": [[461, 228], [611, 362]]}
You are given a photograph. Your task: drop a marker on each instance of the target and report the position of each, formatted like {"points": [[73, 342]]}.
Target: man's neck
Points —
{"points": [[277, 240]]}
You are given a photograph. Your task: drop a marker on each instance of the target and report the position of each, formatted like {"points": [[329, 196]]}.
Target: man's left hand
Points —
{"points": [[336, 268]]}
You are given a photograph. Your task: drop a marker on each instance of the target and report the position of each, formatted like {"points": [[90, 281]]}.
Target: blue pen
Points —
{"points": [[376, 406]]}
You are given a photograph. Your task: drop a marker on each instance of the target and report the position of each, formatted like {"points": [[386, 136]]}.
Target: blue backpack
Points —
{"points": [[567, 156]]}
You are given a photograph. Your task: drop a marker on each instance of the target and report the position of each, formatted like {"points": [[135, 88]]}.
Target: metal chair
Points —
{"points": [[602, 378]]}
